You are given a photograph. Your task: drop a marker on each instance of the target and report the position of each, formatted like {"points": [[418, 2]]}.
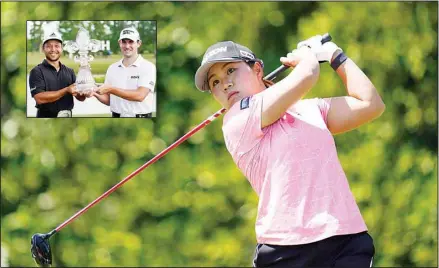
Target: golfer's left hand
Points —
{"points": [[324, 52], [103, 89]]}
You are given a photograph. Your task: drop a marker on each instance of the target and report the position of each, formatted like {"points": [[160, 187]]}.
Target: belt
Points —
{"points": [[148, 115]]}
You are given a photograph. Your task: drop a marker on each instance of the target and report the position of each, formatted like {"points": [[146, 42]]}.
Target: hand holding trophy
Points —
{"points": [[85, 83]]}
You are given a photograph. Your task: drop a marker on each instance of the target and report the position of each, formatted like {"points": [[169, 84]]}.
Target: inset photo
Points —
{"points": [[91, 69]]}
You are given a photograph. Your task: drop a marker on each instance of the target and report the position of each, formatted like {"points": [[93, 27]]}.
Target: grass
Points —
{"points": [[99, 65], [100, 79]]}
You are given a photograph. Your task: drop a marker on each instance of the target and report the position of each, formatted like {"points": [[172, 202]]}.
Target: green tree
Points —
{"points": [[68, 29], [35, 35]]}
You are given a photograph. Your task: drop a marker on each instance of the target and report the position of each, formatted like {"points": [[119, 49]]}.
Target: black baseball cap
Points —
{"points": [[225, 51]]}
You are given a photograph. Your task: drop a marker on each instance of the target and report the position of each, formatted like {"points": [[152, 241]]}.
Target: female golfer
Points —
{"points": [[283, 144]]}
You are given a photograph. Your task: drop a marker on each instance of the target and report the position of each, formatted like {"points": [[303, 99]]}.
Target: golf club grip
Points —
{"points": [[271, 76]]}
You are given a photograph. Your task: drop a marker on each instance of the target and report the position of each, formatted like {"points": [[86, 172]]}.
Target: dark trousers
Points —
{"points": [[354, 250], [46, 114], [148, 115]]}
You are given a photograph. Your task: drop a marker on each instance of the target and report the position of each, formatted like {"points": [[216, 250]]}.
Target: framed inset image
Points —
{"points": [[91, 69]]}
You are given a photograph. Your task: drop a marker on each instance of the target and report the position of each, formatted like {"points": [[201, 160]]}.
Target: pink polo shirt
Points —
{"points": [[293, 167]]}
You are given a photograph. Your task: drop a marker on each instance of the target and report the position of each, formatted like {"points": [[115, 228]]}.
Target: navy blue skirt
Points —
{"points": [[353, 250]]}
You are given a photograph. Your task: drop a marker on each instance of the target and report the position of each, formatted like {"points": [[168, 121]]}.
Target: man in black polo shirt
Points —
{"points": [[52, 84]]}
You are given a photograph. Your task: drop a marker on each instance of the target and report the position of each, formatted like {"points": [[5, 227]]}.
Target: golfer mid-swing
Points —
{"points": [[283, 144]]}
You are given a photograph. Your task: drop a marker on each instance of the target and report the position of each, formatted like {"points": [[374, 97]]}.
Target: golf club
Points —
{"points": [[40, 247]]}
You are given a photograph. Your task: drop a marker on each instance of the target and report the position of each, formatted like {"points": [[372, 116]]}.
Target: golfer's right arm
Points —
{"points": [[279, 97], [104, 98], [51, 96], [41, 94]]}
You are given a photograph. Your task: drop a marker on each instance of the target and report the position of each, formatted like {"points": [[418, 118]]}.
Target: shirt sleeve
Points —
{"points": [[36, 82], [324, 105], [148, 77], [242, 127]]}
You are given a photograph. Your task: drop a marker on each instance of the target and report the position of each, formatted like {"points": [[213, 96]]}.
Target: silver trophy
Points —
{"points": [[85, 83]]}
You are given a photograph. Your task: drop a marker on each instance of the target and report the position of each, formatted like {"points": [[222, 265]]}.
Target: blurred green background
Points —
{"points": [[194, 207]]}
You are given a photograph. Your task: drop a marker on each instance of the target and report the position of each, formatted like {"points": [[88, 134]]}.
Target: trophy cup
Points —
{"points": [[85, 82]]}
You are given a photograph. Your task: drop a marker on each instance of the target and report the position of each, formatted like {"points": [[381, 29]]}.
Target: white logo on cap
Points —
{"points": [[246, 54], [214, 52], [128, 32]]}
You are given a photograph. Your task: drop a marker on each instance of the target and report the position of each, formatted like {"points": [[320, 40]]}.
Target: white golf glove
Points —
{"points": [[324, 52]]}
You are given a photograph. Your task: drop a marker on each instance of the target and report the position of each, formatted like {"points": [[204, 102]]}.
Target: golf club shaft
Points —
{"points": [[271, 76], [137, 171]]}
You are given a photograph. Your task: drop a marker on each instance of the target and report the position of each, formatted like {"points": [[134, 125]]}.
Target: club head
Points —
{"points": [[40, 249]]}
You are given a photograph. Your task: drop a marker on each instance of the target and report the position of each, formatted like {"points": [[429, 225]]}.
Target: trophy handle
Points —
{"points": [[71, 46]]}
